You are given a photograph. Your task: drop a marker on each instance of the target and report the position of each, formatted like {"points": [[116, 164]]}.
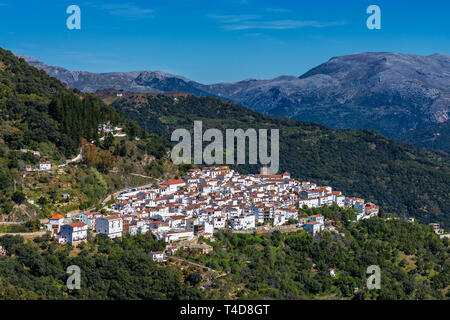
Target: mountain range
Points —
{"points": [[392, 93]]}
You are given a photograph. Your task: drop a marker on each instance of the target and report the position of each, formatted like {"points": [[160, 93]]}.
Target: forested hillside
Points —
{"points": [[400, 178], [120, 269], [41, 120], [431, 137], [414, 262]]}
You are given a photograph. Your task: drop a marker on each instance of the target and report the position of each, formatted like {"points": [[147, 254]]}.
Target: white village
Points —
{"points": [[206, 200]]}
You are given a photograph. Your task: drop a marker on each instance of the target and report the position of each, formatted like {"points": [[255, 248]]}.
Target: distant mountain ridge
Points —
{"points": [[389, 92], [135, 81], [392, 93]]}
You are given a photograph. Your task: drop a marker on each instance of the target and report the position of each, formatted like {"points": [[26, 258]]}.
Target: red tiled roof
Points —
{"points": [[77, 224], [113, 217], [173, 181]]}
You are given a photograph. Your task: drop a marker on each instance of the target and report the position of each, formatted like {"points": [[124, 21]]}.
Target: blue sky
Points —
{"points": [[217, 40]]}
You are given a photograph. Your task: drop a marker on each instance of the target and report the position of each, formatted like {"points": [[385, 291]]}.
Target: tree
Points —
{"points": [[108, 141], [194, 278], [5, 180], [107, 161], [90, 155], [18, 197], [42, 201], [33, 225]]}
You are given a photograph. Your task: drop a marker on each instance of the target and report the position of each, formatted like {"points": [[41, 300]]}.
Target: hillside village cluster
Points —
{"points": [[206, 200]]}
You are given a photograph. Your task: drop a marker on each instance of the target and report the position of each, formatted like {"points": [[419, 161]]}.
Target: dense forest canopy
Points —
{"points": [[414, 262], [119, 269], [37, 108], [431, 137]]}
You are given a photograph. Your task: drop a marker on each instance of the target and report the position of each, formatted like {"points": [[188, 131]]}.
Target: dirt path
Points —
{"points": [[141, 175], [26, 235], [12, 222], [115, 194], [181, 260], [78, 158], [289, 228]]}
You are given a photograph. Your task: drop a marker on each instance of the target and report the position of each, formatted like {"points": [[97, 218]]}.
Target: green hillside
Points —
{"points": [[41, 120], [414, 264], [432, 137], [119, 270], [401, 178], [413, 261]]}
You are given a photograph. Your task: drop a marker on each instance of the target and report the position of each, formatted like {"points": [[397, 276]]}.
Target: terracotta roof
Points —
{"points": [[111, 217], [172, 182], [77, 224], [56, 216]]}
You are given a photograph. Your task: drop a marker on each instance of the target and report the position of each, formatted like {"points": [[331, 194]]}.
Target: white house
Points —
{"points": [[289, 213], [331, 272], [262, 213], [243, 222], [313, 227], [171, 250], [178, 235], [177, 221], [142, 225], [74, 232], [356, 203], [173, 185], [208, 227], [316, 218], [44, 166], [219, 222], [338, 198], [309, 202], [88, 218], [158, 256], [55, 222], [279, 219], [112, 226]]}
